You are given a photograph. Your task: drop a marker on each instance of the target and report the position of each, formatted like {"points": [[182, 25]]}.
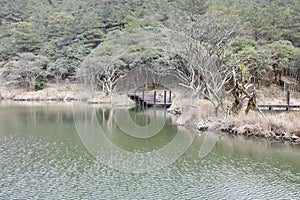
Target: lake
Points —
{"points": [[75, 151]]}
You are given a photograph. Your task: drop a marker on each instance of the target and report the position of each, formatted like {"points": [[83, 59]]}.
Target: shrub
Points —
{"points": [[40, 83]]}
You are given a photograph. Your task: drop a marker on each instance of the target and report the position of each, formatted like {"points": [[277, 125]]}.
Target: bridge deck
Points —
{"points": [[271, 106], [149, 100]]}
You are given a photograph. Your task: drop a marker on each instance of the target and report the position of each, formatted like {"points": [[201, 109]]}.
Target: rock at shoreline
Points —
{"points": [[99, 100], [202, 126], [295, 138], [44, 97], [296, 133], [174, 111]]}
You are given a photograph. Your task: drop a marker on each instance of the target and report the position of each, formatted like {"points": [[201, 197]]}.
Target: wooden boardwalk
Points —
{"points": [[149, 100], [272, 106], [286, 106]]}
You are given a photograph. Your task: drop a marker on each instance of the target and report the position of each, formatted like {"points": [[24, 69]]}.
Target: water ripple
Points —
{"points": [[37, 168]]}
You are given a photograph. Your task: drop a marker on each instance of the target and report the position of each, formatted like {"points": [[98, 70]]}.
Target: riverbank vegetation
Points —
{"points": [[276, 126], [225, 52]]}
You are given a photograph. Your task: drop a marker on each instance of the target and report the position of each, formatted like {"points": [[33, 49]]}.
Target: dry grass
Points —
{"points": [[280, 126], [276, 95], [192, 111], [199, 114], [289, 121]]}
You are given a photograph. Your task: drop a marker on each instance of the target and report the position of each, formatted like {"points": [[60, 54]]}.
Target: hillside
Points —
{"points": [[96, 42]]}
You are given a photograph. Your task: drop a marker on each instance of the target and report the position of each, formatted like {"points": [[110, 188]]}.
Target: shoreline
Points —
{"points": [[63, 93], [250, 132], [214, 124], [279, 128]]}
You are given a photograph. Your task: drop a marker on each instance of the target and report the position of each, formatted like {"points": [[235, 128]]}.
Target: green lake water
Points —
{"points": [[73, 151]]}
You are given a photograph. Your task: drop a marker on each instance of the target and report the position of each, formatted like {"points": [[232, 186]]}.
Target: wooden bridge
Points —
{"points": [[273, 106], [287, 106], [150, 100]]}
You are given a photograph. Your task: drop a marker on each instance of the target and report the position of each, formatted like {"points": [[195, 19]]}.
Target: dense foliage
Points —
{"points": [[97, 41]]}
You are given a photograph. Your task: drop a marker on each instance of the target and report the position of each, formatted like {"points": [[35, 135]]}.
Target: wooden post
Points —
{"points": [[170, 97], [154, 98], [165, 98], [288, 98], [143, 100]]}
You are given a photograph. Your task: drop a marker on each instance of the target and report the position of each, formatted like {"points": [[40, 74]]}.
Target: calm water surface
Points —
{"points": [[42, 156]]}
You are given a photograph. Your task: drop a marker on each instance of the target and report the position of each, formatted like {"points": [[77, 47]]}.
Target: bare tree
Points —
{"points": [[109, 77], [25, 70], [205, 57], [88, 72], [120, 52], [102, 69], [58, 69]]}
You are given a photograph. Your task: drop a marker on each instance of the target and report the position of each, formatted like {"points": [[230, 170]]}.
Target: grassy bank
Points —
{"points": [[276, 127], [64, 92]]}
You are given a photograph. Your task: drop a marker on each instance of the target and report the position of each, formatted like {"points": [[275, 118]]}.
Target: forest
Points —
{"points": [[96, 42]]}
